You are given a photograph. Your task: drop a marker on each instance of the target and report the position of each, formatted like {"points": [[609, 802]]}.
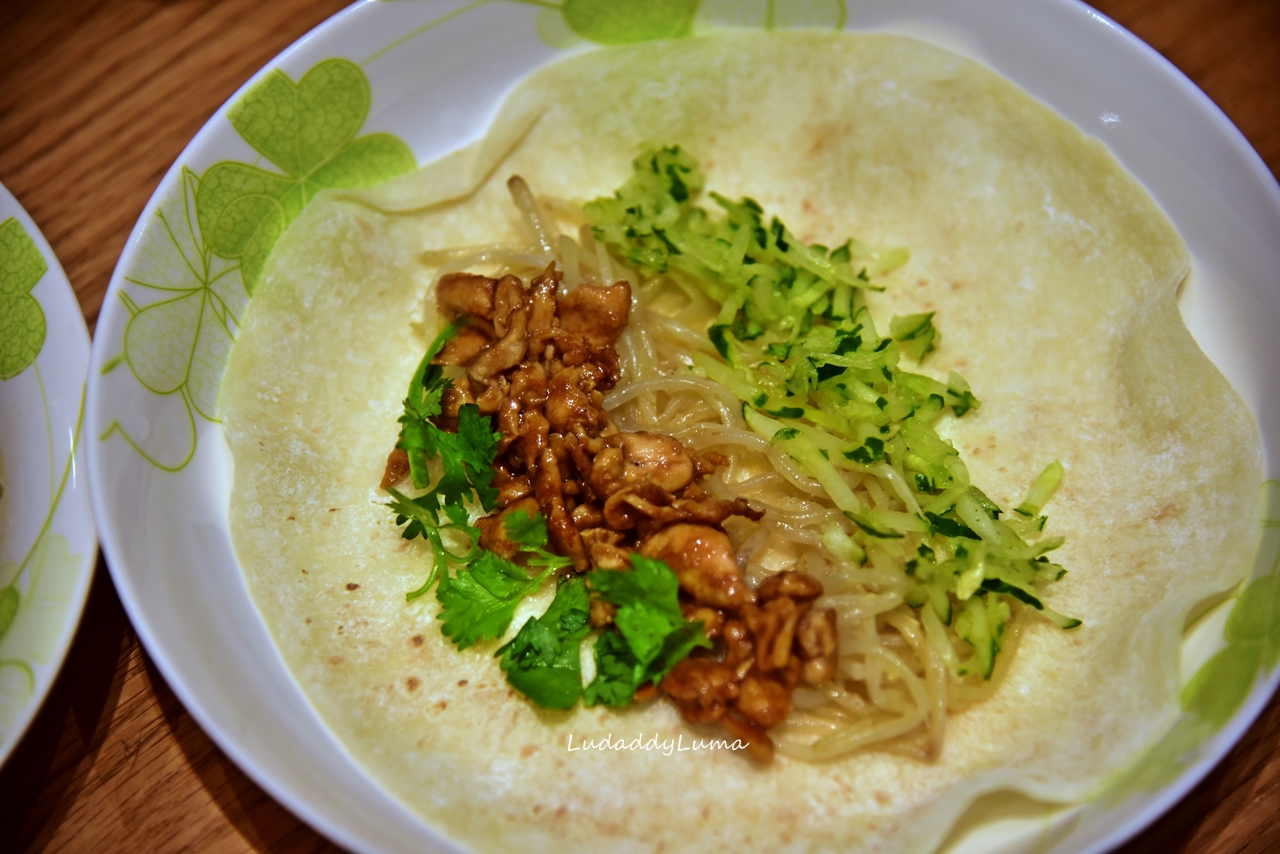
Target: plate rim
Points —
{"points": [[78, 485]]}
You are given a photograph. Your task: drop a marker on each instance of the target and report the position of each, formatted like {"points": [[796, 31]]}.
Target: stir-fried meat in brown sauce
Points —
{"points": [[540, 363], [772, 640]]}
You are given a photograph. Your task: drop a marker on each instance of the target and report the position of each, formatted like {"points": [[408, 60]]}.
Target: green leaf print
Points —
{"points": [[32, 617], [35, 596], [204, 249], [307, 130], [22, 324], [178, 342], [772, 14], [1222, 684], [31, 606], [181, 341], [563, 24], [9, 601], [611, 22]]}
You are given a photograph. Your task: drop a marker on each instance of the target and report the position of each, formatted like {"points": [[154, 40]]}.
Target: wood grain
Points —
{"points": [[97, 99]]}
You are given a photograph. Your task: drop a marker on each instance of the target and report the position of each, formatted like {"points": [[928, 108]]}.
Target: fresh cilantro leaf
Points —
{"points": [[616, 668], [530, 533], [419, 513], [478, 604], [466, 459], [650, 582], [417, 433], [527, 531], [422, 516], [466, 466], [459, 516], [542, 661], [645, 628], [477, 445], [648, 618], [675, 648]]}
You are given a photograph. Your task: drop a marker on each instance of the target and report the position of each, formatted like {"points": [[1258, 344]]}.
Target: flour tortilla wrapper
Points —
{"points": [[1054, 276]]}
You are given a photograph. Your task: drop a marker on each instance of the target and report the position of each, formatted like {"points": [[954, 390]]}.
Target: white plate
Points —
{"points": [[437, 72], [47, 541]]}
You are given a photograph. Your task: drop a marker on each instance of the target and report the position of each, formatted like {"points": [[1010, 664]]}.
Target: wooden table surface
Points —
{"points": [[97, 99]]}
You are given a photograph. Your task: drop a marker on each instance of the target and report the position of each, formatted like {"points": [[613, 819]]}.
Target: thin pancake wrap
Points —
{"points": [[1054, 276]]}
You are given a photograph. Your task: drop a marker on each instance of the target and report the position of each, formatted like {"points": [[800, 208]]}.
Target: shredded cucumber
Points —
{"points": [[1041, 491], [797, 344]]}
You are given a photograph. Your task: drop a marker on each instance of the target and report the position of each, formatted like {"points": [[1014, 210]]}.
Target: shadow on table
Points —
{"points": [[51, 764], [266, 825]]}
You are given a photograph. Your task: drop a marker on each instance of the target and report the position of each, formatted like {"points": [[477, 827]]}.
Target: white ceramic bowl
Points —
{"points": [[437, 71], [47, 542]]}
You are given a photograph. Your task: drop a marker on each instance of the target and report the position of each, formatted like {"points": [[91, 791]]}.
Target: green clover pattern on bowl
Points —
{"points": [[202, 252], [22, 323]]}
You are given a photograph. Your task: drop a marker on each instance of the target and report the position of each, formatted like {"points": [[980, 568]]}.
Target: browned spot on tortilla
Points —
{"points": [[881, 797], [1018, 227], [416, 640], [537, 808], [922, 282], [308, 621], [412, 683], [304, 572], [706, 812], [340, 629], [955, 286], [442, 705], [561, 811], [824, 132], [335, 659], [290, 519], [333, 509], [462, 683], [1166, 511], [351, 585], [528, 750]]}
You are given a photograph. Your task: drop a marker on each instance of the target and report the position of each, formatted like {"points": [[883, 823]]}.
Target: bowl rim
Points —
{"points": [[296, 801]]}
